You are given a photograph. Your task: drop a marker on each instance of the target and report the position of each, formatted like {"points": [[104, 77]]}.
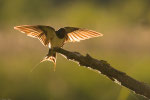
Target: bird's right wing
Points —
{"points": [[77, 34], [37, 31]]}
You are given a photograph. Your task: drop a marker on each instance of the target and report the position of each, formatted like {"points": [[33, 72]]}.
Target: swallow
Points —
{"points": [[52, 38]]}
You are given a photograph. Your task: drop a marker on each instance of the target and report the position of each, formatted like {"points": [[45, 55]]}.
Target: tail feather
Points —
{"points": [[51, 56]]}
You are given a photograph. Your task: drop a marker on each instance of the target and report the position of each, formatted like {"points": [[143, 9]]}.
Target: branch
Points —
{"points": [[106, 69]]}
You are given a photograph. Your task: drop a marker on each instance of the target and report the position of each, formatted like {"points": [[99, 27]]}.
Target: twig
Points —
{"points": [[106, 69]]}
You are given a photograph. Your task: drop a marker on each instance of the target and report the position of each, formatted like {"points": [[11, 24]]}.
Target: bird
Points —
{"points": [[52, 38]]}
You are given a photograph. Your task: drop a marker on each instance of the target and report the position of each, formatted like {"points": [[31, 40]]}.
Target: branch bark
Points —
{"points": [[106, 69]]}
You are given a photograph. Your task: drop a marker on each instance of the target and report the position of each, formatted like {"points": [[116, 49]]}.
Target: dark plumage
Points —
{"points": [[61, 33]]}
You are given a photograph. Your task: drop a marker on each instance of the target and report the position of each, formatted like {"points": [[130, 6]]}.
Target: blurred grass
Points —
{"points": [[125, 45]]}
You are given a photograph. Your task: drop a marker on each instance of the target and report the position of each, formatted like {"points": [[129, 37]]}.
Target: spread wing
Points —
{"points": [[77, 34], [37, 31]]}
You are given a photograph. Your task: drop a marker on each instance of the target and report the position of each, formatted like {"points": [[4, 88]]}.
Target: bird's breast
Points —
{"points": [[57, 42]]}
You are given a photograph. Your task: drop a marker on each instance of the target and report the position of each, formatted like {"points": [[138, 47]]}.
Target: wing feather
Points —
{"points": [[76, 37], [35, 32], [77, 34]]}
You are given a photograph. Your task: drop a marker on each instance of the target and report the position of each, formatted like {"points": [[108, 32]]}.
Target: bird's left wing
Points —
{"points": [[77, 34], [35, 31]]}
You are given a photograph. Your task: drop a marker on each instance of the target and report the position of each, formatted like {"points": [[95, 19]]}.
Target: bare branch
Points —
{"points": [[106, 69]]}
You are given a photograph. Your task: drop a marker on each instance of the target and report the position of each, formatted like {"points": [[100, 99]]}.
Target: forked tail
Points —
{"points": [[51, 56]]}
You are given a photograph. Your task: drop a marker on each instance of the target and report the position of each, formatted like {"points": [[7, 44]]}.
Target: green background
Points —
{"points": [[125, 45]]}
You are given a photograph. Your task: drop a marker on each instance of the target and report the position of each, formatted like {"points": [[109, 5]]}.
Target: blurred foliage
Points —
{"points": [[125, 45], [115, 11]]}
